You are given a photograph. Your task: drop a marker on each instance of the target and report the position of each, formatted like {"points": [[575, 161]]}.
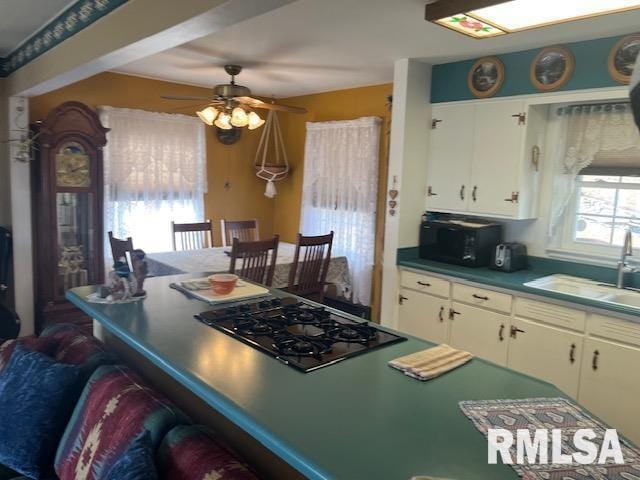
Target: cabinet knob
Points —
{"points": [[474, 193], [424, 284], [441, 315], [594, 361], [501, 333], [572, 353], [462, 192]]}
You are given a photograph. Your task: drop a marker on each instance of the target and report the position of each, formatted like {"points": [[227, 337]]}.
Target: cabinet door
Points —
{"points": [[546, 352], [497, 152], [610, 385], [424, 316], [449, 162], [480, 332]]}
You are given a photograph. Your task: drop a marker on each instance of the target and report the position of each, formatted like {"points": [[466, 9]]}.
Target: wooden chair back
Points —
{"points": [[255, 261], [119, 247], [310, 266], [192, 236], [243, 230]]}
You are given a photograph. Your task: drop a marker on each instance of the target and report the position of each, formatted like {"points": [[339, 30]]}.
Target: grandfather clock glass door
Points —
{"points": [[75, 218]]}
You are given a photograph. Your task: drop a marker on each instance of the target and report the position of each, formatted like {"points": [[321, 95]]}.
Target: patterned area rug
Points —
{"points": [[552, 413]]}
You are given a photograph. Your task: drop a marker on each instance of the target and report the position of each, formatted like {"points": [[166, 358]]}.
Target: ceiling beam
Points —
{"points": [[445, 8]]}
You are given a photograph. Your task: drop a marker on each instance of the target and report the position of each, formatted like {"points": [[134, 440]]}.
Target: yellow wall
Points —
{"points": [[336, 105], [233, 163]]}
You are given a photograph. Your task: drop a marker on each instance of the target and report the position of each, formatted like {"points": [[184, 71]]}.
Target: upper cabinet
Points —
{"points": [[485, 158]]}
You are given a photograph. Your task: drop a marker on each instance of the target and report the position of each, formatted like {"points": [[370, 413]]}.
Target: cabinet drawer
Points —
{"points": [[551, 314], [425, 283], [614, 329], [482, 298]]}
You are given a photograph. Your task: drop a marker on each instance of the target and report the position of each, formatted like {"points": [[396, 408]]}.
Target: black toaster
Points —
{"points": [[509, 257]]}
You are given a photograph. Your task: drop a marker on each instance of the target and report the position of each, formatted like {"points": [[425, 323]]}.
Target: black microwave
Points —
{"points": [[460, 242]]}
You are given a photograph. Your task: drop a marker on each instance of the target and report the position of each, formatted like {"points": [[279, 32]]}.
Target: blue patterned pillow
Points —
{"points": [[37, 396], [136, 463]]}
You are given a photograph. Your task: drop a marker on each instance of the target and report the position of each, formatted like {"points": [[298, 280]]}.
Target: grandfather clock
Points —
{"points": [[67, 186]]}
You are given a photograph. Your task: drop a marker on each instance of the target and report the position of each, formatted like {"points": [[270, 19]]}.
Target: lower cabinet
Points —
{"points": [[424, 316], [546, 352], [610, 385], [481, 332]]}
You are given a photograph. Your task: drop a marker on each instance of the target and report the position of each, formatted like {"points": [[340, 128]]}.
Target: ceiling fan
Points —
{"points": [[232, 106]]}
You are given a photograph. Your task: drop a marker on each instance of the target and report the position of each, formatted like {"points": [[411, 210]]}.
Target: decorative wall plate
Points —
{"points": [[622, 58], [486, 77], [552, 68]]}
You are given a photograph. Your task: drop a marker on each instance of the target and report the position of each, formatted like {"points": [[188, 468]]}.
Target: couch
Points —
{"points": [[117, 427]]}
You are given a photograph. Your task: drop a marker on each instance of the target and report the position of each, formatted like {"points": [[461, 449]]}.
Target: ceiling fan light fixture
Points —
{"points": [[254, 121], [239, 117], [223, 121], [208, 115]]}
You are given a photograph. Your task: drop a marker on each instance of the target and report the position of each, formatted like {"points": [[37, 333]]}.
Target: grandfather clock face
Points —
{"points": [[73, 168]]}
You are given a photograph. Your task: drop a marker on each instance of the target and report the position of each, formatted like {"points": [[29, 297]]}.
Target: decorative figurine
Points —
{"points": [[119, 282], [140, 271]]}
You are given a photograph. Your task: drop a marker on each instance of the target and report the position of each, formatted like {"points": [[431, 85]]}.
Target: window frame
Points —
{"points": [[568, 241]]}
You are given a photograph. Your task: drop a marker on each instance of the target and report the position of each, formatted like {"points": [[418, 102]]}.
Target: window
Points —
{"points": [[340, 192], [596, 182], [603, 208], [154, 172]]}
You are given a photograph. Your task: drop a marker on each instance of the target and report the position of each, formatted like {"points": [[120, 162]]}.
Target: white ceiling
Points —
{"points": [[19, 19], [312, 46]]}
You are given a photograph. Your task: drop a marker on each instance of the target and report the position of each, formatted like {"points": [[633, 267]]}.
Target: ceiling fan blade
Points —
{"points": [[255, 103], [194, 107], [183, 97]]}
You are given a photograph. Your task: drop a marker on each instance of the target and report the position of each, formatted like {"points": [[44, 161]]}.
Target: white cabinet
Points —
{"points": [[451, 150], [546, 352], [424, 316], [481, 332], [484, 158], [610, 384]]}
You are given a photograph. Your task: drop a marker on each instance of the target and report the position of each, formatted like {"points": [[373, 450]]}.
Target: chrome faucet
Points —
{"points": [[623, 264]]}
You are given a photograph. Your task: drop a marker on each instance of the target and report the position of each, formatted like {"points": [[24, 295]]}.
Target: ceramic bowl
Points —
{"points": [[223, 283]]}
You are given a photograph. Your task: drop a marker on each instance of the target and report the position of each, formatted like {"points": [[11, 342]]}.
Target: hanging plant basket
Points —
{"points": [[271, 144]]}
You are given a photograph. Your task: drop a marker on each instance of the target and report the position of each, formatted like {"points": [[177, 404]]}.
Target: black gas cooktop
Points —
{"points": [[300, 335]]}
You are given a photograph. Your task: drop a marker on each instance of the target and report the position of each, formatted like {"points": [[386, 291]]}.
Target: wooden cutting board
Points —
{"points": [[201, 289]]}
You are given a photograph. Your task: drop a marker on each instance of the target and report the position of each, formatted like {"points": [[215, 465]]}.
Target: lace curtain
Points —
{"points": [[154, 172], [340, 190], [586, 132]]}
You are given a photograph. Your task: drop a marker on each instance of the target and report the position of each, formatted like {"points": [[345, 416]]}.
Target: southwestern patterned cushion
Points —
{"points": [[77, 348], [115, 408], [188, 453], [47, 346]]}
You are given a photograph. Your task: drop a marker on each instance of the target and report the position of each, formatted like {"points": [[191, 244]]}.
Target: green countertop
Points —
{"points": [[538, 268], [358, 419]]}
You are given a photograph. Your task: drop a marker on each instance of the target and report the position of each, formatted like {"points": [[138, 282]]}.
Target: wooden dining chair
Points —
{"points": [[192, 236], [119, 247], [257, 260], [308, 274], [243, 230]]}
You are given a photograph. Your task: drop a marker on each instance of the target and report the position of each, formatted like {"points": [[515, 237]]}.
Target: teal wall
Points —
{"points": [[449, 80]]}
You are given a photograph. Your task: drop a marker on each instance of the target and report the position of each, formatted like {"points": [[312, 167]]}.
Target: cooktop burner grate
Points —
{"points": [[300, 335]]}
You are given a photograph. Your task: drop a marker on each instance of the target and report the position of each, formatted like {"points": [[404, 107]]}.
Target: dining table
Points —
{"points": [[218, 259]]}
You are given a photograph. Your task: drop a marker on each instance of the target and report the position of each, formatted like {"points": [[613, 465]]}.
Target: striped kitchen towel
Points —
{"points": [[431, 363]]}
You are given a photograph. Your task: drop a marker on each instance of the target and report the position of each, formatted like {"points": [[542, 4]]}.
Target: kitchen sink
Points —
{"points": [[630, 299], [585, 288]]}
